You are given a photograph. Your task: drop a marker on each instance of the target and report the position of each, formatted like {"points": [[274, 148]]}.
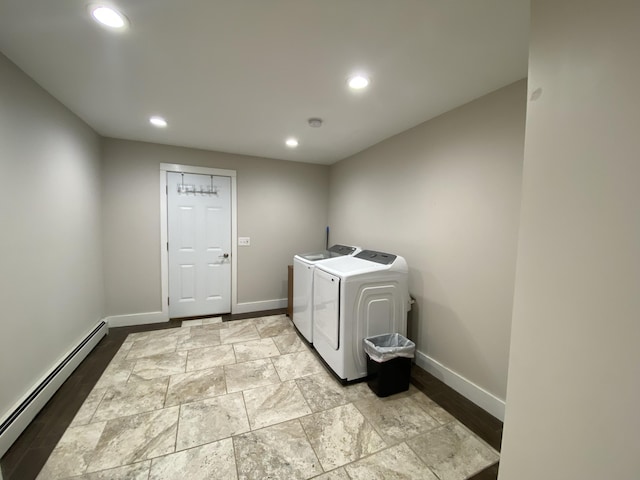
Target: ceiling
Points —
{"points": [[241, 76]]}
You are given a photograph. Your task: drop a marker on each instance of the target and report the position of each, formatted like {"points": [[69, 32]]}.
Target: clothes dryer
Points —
{"points": [[303, 267], [355, 297]]}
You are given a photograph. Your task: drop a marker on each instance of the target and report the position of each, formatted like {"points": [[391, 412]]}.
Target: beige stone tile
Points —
{"points": [[153, 346], [136, 396], [274, 404], [211, 320], [135, 438], [211, 419], [279, 452], [203, 358], [157, 334], [212, 326], [255, 350], [395, 463], [323, 392], [71, 455], [136, 471], [397, 437], [243, 376], [337, 474], [123, 351], [134, 337], [88, 408], [431, 407], [274, 325], [452, 452], [340, 436], [396, 418], [157, 366], [191, 323], [296, 365], [197, 385], [199, 338], [167, 332], [116, 373], [239, 333], [241, 323], [213, 460], [289, 343]]}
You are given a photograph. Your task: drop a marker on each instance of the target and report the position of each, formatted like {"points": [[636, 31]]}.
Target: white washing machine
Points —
{"points": [[353, 298], [303, 267]]}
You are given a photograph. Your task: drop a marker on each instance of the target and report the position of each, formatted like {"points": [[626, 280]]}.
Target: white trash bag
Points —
{"points": [[382, 348]]}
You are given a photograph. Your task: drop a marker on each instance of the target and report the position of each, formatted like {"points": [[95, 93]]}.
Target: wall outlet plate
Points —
{"points": [[244, 241]]}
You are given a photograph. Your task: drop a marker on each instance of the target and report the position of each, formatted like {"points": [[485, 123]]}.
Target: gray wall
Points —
{"points": [[574, 372], [51, 288], [282, 206], [446, 196]]}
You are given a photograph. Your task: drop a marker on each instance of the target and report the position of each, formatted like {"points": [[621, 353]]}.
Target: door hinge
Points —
{"points": [[166, 189], [167, 246], [168, 301]]}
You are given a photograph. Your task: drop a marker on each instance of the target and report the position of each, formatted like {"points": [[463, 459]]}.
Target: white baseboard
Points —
{"points": [[137, 319], [248, 307], [478, 395], [20, 415]]}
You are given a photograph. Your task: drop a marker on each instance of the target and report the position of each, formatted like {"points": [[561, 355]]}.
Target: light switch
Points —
{"points": [[244, 241]]}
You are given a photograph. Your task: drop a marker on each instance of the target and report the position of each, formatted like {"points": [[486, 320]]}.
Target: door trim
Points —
{"points": [[164, 234]]}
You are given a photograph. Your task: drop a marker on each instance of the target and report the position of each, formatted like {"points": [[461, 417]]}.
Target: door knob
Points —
{"points": [[226, 255]]}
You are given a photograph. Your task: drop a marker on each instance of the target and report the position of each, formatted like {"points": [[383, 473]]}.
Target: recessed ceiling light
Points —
{"points": [[358, 82], [291, 142], [108, 16], [158, 122]]}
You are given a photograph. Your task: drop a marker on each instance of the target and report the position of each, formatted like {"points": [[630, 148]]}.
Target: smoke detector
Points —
{"points": [[315, 122]]}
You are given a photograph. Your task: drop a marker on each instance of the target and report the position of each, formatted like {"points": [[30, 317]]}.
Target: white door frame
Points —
{"points": [[164, 236]]}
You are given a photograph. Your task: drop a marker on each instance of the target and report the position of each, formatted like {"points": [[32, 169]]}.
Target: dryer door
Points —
{"points": [[326, 308]]}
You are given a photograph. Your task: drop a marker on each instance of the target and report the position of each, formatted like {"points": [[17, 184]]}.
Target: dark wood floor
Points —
{"points": [[27, 456]]}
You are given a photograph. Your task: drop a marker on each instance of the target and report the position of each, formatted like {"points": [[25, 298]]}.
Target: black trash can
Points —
{"points": [[388, 363]]}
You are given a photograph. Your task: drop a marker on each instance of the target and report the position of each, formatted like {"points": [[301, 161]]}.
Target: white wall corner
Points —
{"points": [[248, 307], [478, 395], [137, 319]]}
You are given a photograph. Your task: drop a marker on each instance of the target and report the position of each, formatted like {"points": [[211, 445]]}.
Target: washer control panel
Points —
{"points": [[378, 257], [338, 250]]}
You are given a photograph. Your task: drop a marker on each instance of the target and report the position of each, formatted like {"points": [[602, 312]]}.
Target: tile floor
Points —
{"points": [[248, 400]]}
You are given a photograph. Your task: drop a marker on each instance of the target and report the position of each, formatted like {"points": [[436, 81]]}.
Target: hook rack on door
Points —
{"points": [[191, 189]]}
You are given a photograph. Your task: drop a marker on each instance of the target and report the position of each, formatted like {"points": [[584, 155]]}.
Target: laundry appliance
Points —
{"points": [[355, 297], [303, 267]]}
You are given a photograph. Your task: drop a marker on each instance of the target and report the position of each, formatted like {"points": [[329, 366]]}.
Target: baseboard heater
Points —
{"points": [[28, 408]]}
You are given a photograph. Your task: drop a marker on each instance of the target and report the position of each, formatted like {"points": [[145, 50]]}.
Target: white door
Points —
{"points": [[199, 234]]}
